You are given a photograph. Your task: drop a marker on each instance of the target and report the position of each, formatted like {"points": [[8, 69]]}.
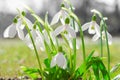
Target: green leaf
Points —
{"points": [[31, 72], [89, 56], [47, 63], [96, 70]]}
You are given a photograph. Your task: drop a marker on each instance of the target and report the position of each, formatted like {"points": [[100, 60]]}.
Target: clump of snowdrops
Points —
{"points": [[60, 63]]}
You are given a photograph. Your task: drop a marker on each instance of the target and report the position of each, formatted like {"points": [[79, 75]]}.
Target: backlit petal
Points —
{"points": [[59, 60], [71, 31], [29, 23], [39, 43], [91, 29], [10, 31], [86, 26], [20, 33], [109, 38], [95, 37], [55, 18], [58, 30], [28, 41], [97, 29]]}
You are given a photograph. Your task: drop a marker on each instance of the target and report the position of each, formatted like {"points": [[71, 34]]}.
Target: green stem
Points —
{"points": [[74, 48], [35, 49], [101, 42], [107, 45], [81, 32], [83, 43]]}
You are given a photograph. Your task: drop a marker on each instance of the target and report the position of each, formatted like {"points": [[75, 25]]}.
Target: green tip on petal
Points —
{"points": [[15, 20], [94, 18], [23, 13], [67, 21], [60, 49]]}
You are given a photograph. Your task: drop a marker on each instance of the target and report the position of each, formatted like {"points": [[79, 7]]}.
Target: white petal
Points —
{"points": [[90, 30], [29, 23], [53, 62], [95, 37], [58, 30], [70, 44], [97, 29], [55, 18], [53, 38], [109, 38], [62, 21], [19, 24], [28, 41], [76, 27], [77, 44], [86, 26], [10, 32], [71, 31], [39, 43], [22, 27], [20, 33], [34, 33], [59, 60], [46, 37]]}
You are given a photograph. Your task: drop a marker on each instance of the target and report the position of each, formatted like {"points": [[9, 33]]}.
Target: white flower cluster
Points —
{"points": [[40, 37]]}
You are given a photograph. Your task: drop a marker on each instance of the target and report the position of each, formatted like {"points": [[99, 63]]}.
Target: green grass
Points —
{"points": [[14, 53]]}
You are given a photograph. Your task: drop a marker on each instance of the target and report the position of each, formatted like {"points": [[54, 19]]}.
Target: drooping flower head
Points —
{"points": [[66, 27], [17, 28], [59, 60], [93, 27]]}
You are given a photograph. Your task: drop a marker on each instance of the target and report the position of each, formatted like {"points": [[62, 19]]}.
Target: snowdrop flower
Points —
{"points": [[13, 29], [61, 15], [109, 37], [59, 60], [66, 27], [92, 27], [97, 36], [17, 28], [38, 39], [63, 28]]}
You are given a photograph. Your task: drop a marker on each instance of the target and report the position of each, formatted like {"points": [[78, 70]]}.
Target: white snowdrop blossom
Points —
{"points": [[63, 28], [13, 29], [59, 60], [17, 28], [109, 37], [92, 27], [61, 15], [97, 36], [38, 39]]}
